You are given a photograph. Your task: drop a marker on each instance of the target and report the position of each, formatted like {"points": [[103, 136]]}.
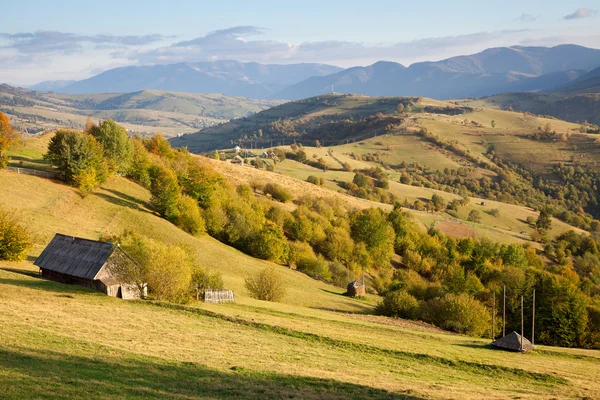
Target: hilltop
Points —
{"points": [[145, 111]]}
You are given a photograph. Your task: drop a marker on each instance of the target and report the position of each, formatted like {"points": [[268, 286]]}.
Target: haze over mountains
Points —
{"points": [[232, 78], [496, 70]]}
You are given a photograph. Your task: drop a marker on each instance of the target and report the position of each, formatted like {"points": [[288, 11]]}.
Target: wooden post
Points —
{"points": [[494, 319], [504, 314], [533, 321], [522, 332]]}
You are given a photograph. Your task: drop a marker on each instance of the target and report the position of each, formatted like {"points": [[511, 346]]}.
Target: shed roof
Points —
{"points": [[75, 256], [512, 341]]}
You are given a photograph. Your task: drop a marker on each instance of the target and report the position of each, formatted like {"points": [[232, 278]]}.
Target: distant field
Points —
{"points": [[143, 112]]}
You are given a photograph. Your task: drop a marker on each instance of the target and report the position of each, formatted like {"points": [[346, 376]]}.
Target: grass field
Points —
{"points": [[60, 341]]}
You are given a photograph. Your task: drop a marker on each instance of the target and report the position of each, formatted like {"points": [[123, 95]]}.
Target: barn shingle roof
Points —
{"points": [[75, 256]]}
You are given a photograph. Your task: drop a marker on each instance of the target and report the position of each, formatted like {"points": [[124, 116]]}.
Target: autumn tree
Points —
{"points": [[8, 138], [544, 221], [165, 192]]}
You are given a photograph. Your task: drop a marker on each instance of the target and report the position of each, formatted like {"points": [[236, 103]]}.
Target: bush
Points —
{"points": [[266, 285], [86, 181], [315, 180], [299, 251], [203, 279], [474, 216], [459, 313], [494, 212], [278, 192], [14, 238], [399, 304], [316, 268]]}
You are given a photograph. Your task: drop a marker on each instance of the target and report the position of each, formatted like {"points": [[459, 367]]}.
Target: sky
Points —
{"points": [[65, 40]]}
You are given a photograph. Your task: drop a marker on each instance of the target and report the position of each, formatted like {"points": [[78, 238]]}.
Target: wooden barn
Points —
{"points": [[356, 289], [83, 262]]}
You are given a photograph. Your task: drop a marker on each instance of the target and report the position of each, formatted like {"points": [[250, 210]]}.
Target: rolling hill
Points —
{"points": [[142, 112], [232, 78], [497, 70], [63, 341]]}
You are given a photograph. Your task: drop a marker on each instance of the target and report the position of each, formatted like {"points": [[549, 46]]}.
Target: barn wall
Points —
{"points": [[73, 280]]}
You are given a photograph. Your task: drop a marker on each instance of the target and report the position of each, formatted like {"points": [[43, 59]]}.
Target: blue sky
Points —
{"points": [[43, 40]]}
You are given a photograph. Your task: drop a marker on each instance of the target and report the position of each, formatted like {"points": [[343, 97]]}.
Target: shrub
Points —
{"points": [[278, 192], [315, 180], [316, 268], [266, 285], [459, 313], [14, 238], [203, 279], [474, 216], [399, 304], [494, 212], [86, 181]]}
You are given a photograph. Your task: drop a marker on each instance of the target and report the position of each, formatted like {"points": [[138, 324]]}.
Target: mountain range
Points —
{"points": [[231, 78], [492, 71]]}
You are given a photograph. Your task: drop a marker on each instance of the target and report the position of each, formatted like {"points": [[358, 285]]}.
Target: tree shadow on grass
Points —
{"points": [[126, 197], [39, 283], [482, 346], [121, 202], [57, 375]]}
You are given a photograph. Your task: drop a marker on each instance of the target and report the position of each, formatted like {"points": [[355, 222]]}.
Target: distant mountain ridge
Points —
{"points": [[497, 70], [232, 78], [492, 71]]}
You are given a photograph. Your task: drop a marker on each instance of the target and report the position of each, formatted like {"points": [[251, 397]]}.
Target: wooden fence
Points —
{"points": [[218, 296], [34, 172]]}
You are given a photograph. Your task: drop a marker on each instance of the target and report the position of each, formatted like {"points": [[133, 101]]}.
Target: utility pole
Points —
{"points": [[504, 314], [533, 321], [522, 330], [494, 319]]}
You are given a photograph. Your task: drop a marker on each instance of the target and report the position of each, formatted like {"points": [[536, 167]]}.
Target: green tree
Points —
{"points": [[165, 192], [72, 152], [399, 303], [544, 221], [118, 149], [493, 123], [269, 243]]}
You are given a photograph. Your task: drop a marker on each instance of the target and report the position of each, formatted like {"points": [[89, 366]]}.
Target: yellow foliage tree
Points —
{"points": [[8, 138]]}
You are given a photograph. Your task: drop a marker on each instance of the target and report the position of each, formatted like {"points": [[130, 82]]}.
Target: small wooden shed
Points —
{"points": [[83, 262], [356, 289]]}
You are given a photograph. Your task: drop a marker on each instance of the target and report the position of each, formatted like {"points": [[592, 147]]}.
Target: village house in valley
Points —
{"points": [[84, 262]]}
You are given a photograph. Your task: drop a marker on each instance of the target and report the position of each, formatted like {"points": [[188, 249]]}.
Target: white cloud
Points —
{"points": [[582, 13]]}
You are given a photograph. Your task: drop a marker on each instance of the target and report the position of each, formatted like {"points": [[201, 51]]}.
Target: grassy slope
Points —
{"points": [[52, 346]]}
